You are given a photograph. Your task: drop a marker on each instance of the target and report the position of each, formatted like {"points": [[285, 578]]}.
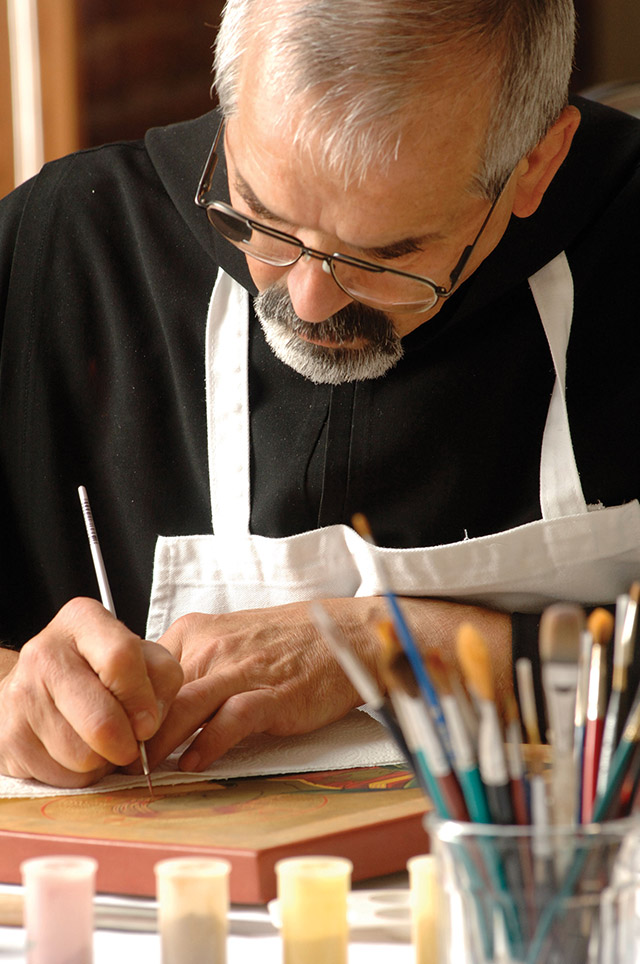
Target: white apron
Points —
{"points": [[574, 553]]}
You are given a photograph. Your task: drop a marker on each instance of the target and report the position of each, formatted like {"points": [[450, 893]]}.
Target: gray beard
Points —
{"points": [[328, 366]]}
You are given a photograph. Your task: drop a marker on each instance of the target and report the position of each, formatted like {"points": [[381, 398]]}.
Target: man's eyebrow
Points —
{"points": [[256, 205], [398, 249], [386, 252]]}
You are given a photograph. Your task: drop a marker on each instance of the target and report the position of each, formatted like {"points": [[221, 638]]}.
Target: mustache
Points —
{"points": [[354, 321]]}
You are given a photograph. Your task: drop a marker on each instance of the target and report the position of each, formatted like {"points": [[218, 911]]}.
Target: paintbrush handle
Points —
{"points": [[105, 594], [395, 731], [624, 710], [517, 784], [629, 788], [475, 795], [592, 744], [423, 679], [493, 765], [563, 788], [607, 804], [499, 802], [609, 741], [465, 763], [578, 767]]}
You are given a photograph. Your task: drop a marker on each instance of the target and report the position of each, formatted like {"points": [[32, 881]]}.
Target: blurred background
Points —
{"points": [[76, 73]]}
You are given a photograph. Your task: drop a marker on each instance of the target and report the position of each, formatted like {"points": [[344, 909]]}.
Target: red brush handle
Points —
{"points": [[591, 759]]}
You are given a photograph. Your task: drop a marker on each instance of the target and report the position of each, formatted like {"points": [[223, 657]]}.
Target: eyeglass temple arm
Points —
{"points": [[460, 266], [466, 254], [209, 170]]}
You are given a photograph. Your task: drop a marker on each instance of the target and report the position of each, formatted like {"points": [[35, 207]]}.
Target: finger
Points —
{"points": [[106, 721], [61, 760], [239, 717], [195, 703], [115, 655], [54, 688], [101, 727], [165, 673], [47, 765]]}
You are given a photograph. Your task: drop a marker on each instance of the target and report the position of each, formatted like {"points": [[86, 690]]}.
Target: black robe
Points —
{"points": [[106, 270]]}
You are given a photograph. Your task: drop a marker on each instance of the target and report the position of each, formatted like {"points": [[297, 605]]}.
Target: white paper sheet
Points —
{"points": [[357, 740]]}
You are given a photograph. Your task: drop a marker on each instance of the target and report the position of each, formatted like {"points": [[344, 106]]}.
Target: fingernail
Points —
{"points": [[190, 760], [145, 724]]}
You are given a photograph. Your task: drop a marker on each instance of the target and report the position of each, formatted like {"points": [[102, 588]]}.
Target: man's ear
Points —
{"points": [[540, 166]]}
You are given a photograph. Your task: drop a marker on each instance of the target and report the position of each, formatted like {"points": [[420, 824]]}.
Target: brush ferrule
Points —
{"points": [[461, 746], [491, 754]]}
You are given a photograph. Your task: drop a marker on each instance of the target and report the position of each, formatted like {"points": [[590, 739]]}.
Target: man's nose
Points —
{"points": [[314, 294]]}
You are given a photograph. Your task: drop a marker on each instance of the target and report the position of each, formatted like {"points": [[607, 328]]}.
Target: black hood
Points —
{"points": [[178, 153]]}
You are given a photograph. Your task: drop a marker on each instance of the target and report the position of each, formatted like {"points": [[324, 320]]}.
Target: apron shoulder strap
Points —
{"points": [[227, 390], [560, 488]]}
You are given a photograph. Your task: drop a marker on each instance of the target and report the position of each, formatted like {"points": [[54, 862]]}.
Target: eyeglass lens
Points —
{"points": [[265, 247], [374, 286]]}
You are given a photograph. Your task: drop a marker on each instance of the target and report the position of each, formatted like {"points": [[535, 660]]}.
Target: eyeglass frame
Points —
{"points": [[440, 292]]}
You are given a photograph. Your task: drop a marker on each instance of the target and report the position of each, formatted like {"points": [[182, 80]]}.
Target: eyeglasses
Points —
{"points": [[375, 285]]}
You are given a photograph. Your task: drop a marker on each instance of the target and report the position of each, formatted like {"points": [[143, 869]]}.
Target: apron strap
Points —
{"points": [[560, 488], [227, 363]]}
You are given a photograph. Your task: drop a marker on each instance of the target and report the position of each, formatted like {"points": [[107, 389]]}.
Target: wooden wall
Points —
{"points": [[143, 63], [6, 131], [608, 42], [111, 69]]}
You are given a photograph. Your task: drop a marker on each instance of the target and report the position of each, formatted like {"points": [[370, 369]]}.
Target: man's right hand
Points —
{"points": [[79, 697]]}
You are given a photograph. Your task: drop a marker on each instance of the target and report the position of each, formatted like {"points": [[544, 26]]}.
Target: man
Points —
{"points": [[420, 215]]}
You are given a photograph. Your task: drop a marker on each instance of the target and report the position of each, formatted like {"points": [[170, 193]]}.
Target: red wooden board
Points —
{"points": [[372, 815]]}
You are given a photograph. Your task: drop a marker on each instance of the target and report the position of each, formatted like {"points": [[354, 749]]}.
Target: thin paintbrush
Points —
{"points": [[105, 595], [418, 725], [526, 695], [580, 717], [627, 610], [600, 625], [515, 762], [467, 709], [628, 645], [607, 804], [464, 754], [473, 654], [538, 804], [559, 643], [505, 873], [359, 676], [624, 633], [627, 797], [429, 694]]}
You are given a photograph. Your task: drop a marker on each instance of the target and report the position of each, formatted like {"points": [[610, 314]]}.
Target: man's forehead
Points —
{"points": [[430, 176], [399, 246]]}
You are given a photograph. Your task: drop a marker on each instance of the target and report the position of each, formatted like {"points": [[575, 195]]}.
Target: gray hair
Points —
{"points": [[368, 64]]}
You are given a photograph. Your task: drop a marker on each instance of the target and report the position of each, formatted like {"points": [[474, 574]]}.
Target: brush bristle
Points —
{"points": [[473, 654], [511, 714], [560, 629], [360, 523], [388, 639], [395, 667], [600, 624], [439, 672]]}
